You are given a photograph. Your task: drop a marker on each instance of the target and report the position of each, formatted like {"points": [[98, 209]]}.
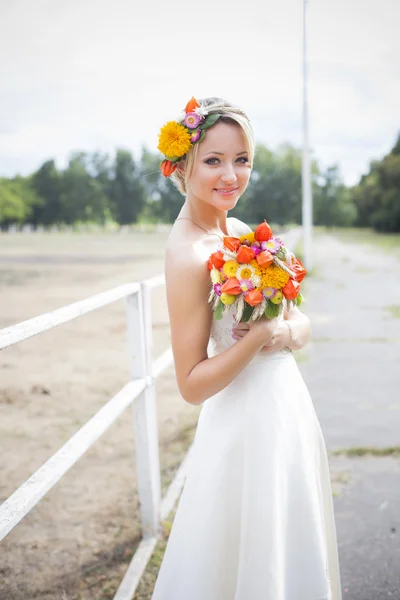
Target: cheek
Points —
{"points": [[204, 176]]}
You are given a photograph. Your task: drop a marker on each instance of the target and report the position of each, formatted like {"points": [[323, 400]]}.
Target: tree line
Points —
{"points": [[100, 188]]}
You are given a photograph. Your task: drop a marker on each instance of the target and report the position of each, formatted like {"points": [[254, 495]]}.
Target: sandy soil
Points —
{"points": [[77, 541]]}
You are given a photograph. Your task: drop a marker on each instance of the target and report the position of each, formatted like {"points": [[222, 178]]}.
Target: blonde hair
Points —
{"points": [[230, 114]]}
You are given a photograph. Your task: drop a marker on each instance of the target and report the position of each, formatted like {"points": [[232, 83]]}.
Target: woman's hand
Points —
{"points": [[263, 328], [280, 337], [300, 332]]}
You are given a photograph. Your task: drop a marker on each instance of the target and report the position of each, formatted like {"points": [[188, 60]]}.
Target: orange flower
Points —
{"points": [[245, 254], [232, 286], [264, 259], [217, 259], [232, 243], [291, 289], [253, 297], [263, 232], [299, 269], [191, 105], [167, 167]]}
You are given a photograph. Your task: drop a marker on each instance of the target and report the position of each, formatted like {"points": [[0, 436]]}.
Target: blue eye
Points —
{"points": [[240, 158]]}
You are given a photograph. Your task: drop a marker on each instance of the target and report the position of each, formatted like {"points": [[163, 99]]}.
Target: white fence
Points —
{"points": [[139, 393]]}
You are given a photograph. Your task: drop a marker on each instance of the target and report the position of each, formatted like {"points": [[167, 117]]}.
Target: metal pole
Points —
{"points": [[306, 172]]}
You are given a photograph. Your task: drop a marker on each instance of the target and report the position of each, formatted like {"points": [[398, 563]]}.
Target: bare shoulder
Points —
{"points": [[187, 286], [238, 226]]}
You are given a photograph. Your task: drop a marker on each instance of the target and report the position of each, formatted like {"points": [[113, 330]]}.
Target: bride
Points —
{"points": [[255, 520]]}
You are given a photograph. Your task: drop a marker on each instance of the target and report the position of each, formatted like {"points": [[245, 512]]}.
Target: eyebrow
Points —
{"points": [[221, 153]]}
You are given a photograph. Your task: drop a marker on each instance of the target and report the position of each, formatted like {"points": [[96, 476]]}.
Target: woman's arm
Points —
{"points": [[198, 376], [300, 327]]}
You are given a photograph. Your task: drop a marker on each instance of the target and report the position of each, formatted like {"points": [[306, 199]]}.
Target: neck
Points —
{"points": [[213, 220]]}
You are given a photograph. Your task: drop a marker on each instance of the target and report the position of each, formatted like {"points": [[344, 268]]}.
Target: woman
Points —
{"points": [[255, 520]]}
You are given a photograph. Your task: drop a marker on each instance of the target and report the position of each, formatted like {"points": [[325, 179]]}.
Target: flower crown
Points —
{"points": [[177, 137]]}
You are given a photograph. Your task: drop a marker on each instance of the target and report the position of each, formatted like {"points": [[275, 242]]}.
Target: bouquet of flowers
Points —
{"points": [[254, 272]]}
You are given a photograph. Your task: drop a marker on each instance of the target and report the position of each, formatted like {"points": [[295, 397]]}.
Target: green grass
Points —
{"points": [[394, 310], [368, 451], [389, 242]]}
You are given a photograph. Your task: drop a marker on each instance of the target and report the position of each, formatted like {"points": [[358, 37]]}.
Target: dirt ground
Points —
{"points": [[77, 541]]}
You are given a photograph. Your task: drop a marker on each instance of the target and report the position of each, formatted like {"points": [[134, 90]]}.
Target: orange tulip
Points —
{"points": [[191, 105], [217, 259], [299, 269], [167, 167], [253, 297], [265, 258], [232, 286], [263, 232], [291, 289], [232, 243], [245, 254]]}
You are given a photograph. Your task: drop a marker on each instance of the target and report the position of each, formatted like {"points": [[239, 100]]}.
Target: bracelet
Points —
{"points": [[290, 330]]}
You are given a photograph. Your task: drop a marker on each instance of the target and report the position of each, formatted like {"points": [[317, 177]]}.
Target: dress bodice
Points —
{"points": [[221, 337]]}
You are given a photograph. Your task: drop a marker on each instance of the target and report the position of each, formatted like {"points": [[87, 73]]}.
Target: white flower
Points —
{"points": [[201, 110]]}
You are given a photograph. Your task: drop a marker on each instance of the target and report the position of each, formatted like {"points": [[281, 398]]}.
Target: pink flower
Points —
{"points": [[217, 288], [269, 292], [273, 245], [192, 120], [195, 136], [246, 285], [256, 249]]}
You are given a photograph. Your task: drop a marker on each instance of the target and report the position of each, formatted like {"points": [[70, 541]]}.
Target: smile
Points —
{"points": [[226, 191]]}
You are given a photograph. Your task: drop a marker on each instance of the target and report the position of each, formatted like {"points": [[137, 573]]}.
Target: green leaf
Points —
{"points": [[272, 310], [202, 136], [299, 300], [210, 120], [173, 158], [218, 311], [247, 312]]}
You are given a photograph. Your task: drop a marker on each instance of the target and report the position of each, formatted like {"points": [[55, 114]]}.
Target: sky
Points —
{"points": [[99, 74]]}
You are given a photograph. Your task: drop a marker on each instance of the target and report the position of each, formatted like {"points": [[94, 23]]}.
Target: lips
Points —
{"points": [[226, 189]]}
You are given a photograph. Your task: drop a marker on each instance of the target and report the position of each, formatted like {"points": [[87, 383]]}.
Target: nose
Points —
{"points": [[229, 175]]}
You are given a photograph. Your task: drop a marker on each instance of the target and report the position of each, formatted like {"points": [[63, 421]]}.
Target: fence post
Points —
{"points": [[144, 411]]}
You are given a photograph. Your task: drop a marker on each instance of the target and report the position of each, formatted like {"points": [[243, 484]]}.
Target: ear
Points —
{"points": [[181, 166]]}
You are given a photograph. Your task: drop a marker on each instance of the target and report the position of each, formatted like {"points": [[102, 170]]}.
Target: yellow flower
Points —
{"points": [[230, 268], [274, 277], [248, 236], [256, 267], [174, 139], [215, 275]]}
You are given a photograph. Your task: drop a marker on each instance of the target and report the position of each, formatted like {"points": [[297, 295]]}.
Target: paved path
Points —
{"points": [[351, 367]]}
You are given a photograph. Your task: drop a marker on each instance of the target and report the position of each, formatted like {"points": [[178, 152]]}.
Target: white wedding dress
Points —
{"points": [[255, 520]]}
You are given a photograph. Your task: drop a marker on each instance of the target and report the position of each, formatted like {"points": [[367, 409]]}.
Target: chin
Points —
{"points": [[226, 203]]}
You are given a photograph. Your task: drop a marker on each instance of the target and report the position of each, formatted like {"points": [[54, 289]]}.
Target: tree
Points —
{"points": [[127, 193], [377, 196], [332, 202], [82, 196], [47, 184], [17, 201]]}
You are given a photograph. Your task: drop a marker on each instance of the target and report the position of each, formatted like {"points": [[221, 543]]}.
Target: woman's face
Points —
{"points": [[222, 162]]}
